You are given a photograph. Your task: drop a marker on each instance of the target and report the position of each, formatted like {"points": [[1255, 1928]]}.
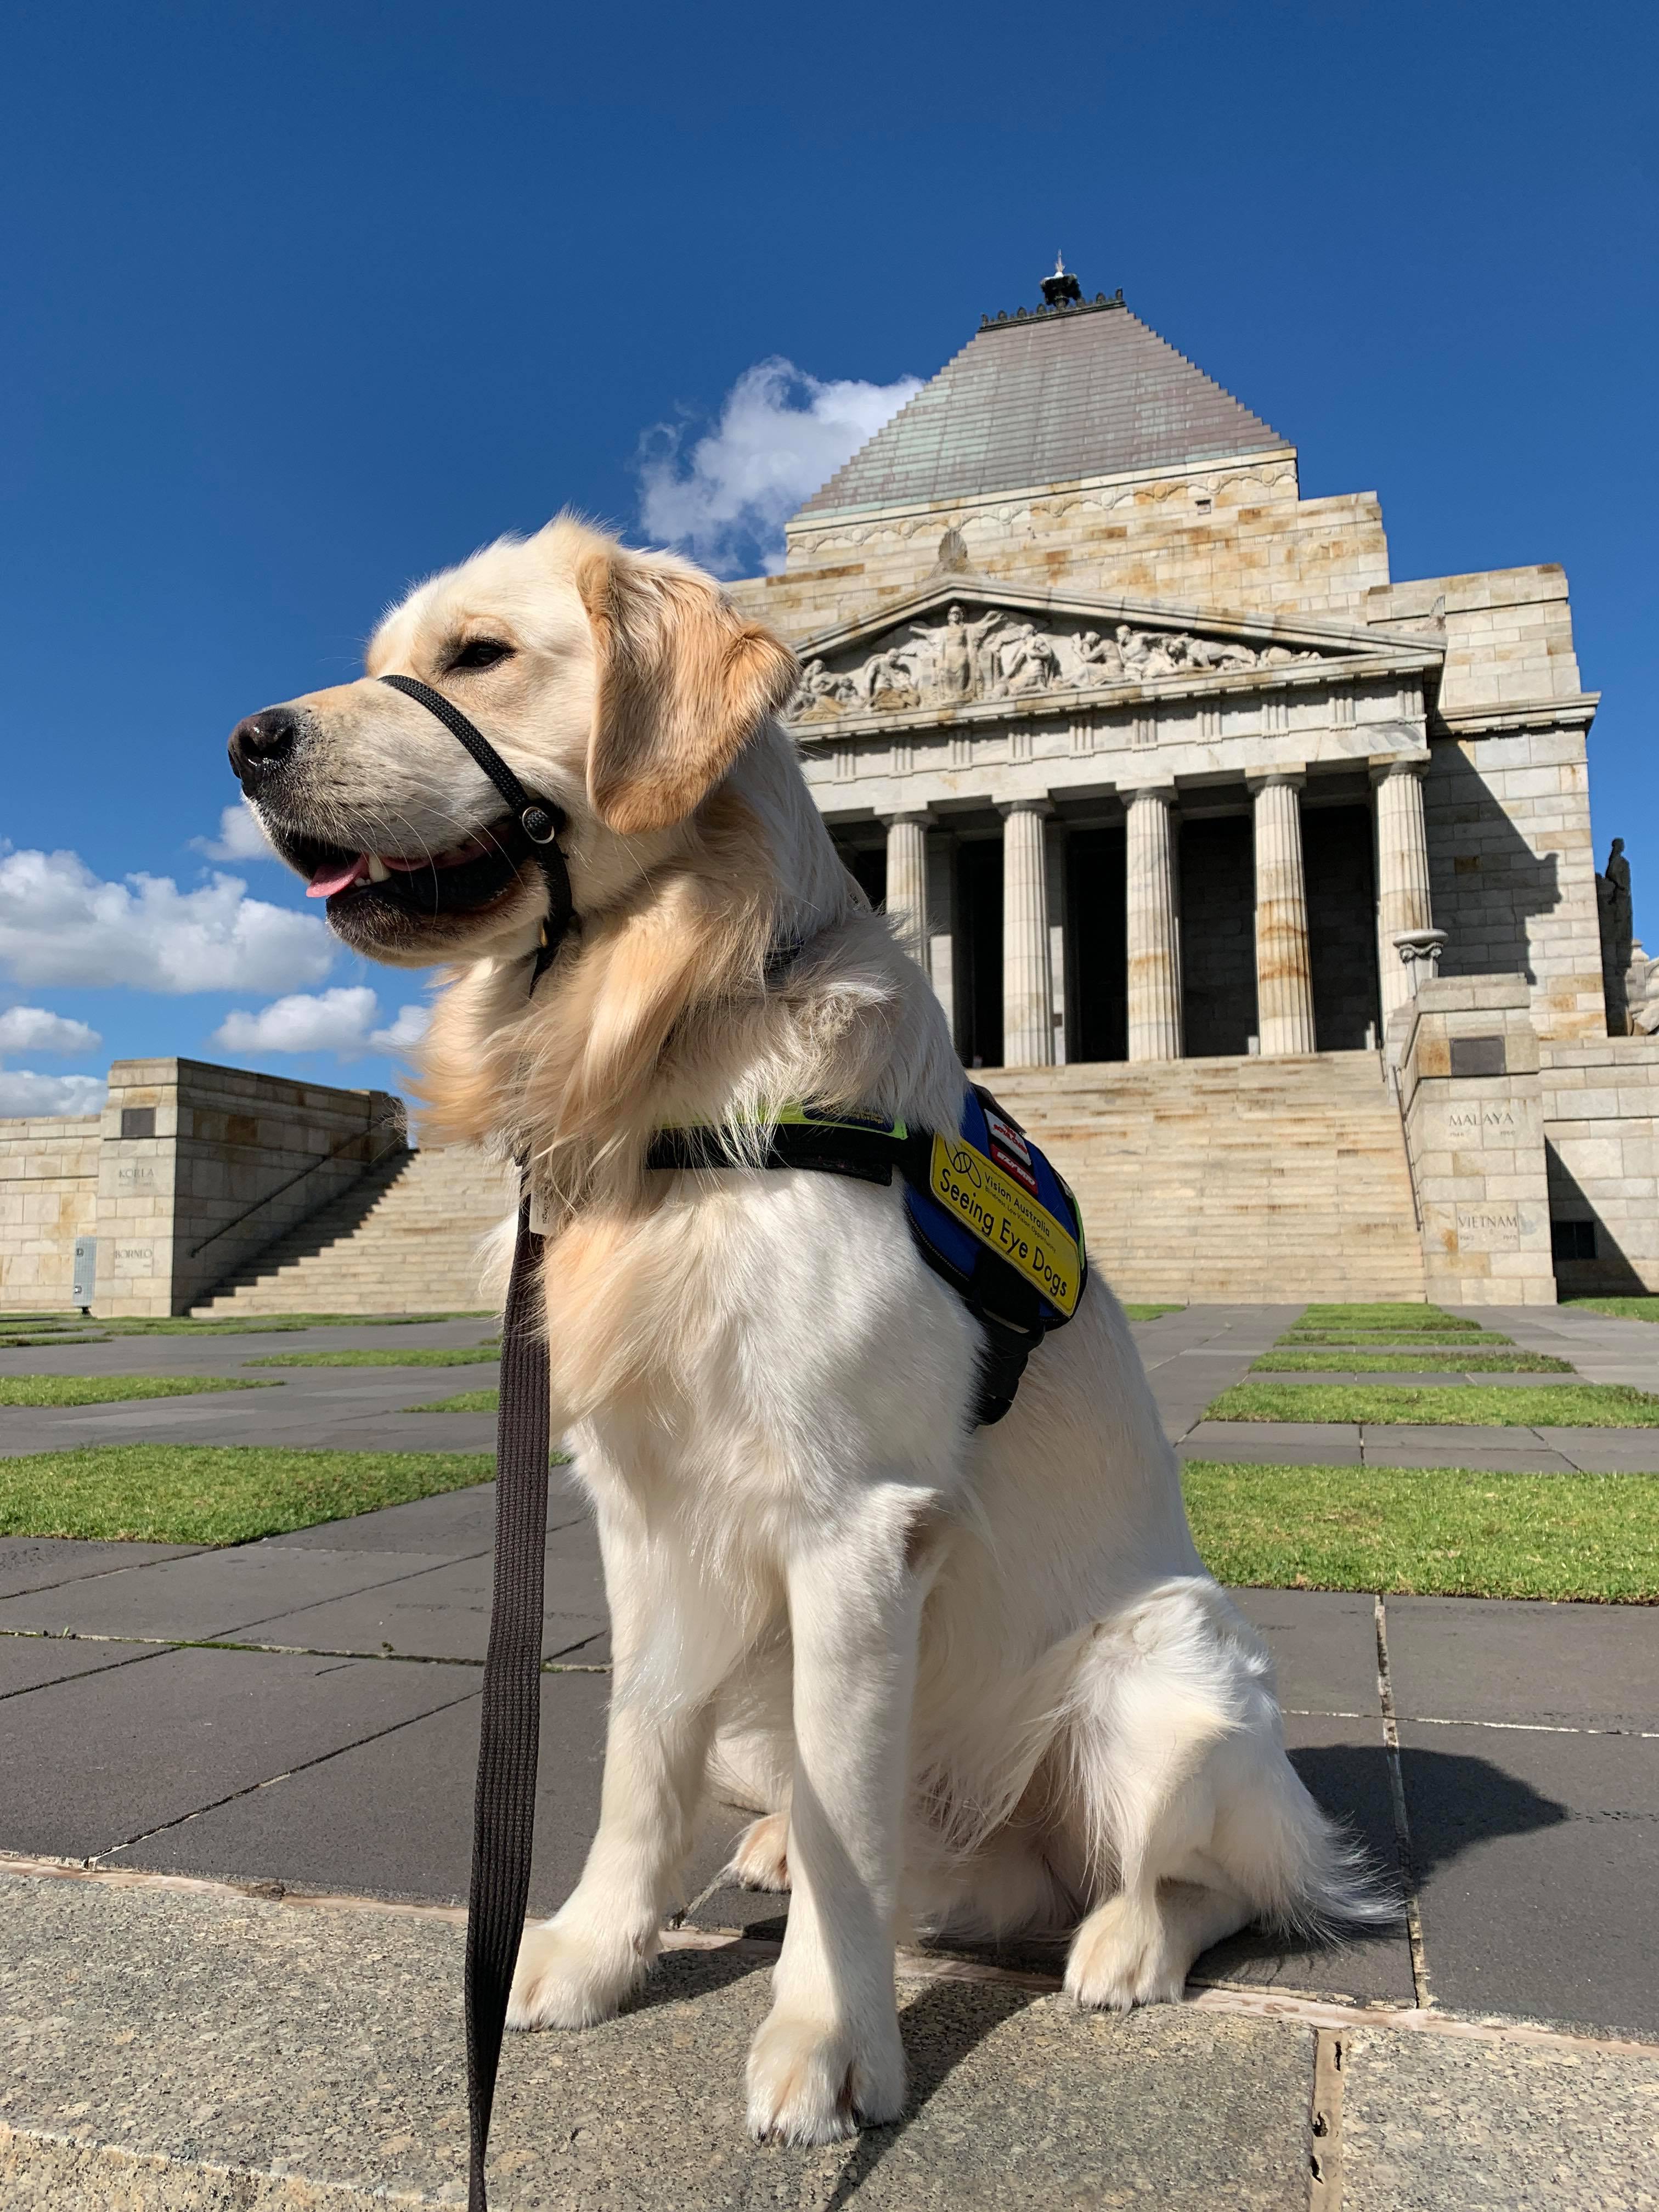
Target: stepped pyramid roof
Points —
{"points": [[1064, 391]]}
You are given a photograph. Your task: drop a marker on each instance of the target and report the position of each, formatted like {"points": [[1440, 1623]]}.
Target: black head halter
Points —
{"points": [[540, 821]]}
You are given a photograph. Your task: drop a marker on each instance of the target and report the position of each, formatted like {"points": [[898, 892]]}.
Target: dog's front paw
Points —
{"points": [[1121, 1957], [760, 1859], [812, 2082], [570, 1976]]}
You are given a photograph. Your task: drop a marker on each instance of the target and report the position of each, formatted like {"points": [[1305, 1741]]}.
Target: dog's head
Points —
{"points": [[620, 687]]}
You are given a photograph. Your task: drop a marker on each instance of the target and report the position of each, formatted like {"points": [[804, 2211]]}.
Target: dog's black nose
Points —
{"points": [[262, 743]]}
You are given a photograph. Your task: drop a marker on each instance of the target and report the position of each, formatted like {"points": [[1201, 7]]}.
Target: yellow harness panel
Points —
{"points": [[1006, 1220]]}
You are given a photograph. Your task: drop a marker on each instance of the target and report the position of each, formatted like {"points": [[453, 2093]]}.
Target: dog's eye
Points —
{"points": [[481, 653]]}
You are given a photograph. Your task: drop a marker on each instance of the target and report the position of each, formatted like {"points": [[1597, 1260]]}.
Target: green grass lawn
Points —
{"points": [[102, 1389], [1382, 1314], [1554, 1405], [34, 1343], [1441, 1531], [1431, 1360], [1392, 1339], [248, 1325], [470, 1355], [1136, 1311], [213, 1494], [1632, 1308], [464, 1401]]}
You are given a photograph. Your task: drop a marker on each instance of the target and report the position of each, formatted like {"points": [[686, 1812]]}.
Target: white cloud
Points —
{"points": [[24, 1092], [781, 435], [406, 1031], [31, 1029], [240, 836], [337, 1021], [59, 923]]}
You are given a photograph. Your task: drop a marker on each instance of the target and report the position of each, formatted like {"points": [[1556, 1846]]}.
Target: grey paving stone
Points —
{"points": [[34, 1563], [1516, 1659], [441, 1613], [29, 1662], [209, 1594], [1192, 1355], [456, 1522], [133, 2010], [1607, 1451], [111, 1756], [316, 1409], [1324, 1646], [1430, 2124], [1275, 1443], [1538, 1858], [393, 1818], [1491, 1451]]}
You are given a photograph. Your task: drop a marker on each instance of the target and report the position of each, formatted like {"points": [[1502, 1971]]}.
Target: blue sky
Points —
{"points": [[302, 302]]}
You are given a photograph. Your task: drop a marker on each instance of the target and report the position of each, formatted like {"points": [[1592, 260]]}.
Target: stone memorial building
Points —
{"points": [[1260, 883]]}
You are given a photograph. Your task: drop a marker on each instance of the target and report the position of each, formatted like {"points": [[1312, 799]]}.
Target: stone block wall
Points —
{"points": [[1602, 1127], [48, 1197], [201, 1167], [1228, 535], [1512, 871], [1466, 1057], [1508, 633]]}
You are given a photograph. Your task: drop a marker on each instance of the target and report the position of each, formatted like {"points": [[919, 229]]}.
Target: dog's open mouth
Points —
{"points": [[462, 879]]}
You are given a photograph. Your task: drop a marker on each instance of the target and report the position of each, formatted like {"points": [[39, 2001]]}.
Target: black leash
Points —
{"points": [[509, 1731], [504, 1808]]}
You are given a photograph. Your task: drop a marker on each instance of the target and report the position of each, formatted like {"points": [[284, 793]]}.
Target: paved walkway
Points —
{"points": [[194, 1743]]}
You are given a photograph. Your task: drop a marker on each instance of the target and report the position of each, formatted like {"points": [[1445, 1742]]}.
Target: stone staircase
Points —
{"points": [[1199, 1180], [1213, 1180], [403, 1239]]}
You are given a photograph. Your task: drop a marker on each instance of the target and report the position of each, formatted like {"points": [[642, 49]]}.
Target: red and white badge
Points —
{"points": [[1010, 1151]]}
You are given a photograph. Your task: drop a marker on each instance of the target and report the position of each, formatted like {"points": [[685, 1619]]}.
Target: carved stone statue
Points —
{"points": [[1028, 661], [1102, 658], [955, 647]]}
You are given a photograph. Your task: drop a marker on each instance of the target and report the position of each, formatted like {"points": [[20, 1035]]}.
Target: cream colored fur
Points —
{"points": [[975, 1680]]}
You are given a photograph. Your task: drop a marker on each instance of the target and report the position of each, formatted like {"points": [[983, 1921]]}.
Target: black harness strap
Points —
{"points": [[540, 821], [504, 1809]]}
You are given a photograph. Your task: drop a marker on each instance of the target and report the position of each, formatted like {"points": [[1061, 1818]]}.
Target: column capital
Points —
{"points": [[1401, 764], [919, 815], [1008, 806], [1276, 779], [1132, 797]]}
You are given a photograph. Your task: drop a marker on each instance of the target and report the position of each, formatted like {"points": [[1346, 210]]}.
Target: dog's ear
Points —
{"points": [[683, 681]]}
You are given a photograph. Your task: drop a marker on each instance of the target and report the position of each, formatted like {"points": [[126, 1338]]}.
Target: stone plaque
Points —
{"points": [[134, 1259], [1480, 1055], [139, 1176], [1499, 1227]]}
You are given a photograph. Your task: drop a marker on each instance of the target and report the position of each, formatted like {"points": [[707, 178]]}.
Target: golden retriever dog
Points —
{"points": [[973, 1682]]}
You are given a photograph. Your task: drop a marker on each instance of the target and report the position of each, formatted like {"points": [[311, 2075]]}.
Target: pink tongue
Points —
{"points": [[326, 882]]}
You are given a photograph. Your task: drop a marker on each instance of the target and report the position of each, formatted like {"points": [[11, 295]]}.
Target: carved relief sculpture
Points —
{"points": [[1003, 655]]}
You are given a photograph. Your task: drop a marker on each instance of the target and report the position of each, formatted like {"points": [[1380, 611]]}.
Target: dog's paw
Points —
{"points": [[1121, 1956], [811, 2081], [568, 1976], [760, 1859]]}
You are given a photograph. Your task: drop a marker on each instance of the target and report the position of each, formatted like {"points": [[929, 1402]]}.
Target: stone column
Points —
{"points": [[907, 879], [1028, 1021], [1402, 875], [1154, 931], [1284, 976]]}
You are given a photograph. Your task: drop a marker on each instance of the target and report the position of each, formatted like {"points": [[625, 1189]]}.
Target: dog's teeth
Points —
{"points": [[377, 870]]}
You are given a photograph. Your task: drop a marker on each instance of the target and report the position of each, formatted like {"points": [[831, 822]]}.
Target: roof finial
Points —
{"points": [[1061, 289]]}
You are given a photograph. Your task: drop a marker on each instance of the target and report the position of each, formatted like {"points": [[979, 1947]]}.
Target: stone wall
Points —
{"points": [[48, 1197], [1229, 534], [1466, 1057], [1602, 1127], [189, 1171]]}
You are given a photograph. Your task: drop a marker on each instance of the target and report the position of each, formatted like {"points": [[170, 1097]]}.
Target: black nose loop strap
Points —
{"points": [[540, 822]]}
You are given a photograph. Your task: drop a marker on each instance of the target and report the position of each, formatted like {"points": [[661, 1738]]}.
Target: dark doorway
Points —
{"points": [[1338, 870], [868, 865], [1096, 944], [979, 951], [1218, 935]]}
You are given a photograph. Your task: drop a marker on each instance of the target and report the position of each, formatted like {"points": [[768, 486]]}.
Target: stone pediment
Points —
{"points": [[968, 646]]}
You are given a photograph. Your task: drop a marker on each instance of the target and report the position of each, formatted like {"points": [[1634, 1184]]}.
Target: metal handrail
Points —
{"points": [[1391, 1076], [399, 1122]]}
